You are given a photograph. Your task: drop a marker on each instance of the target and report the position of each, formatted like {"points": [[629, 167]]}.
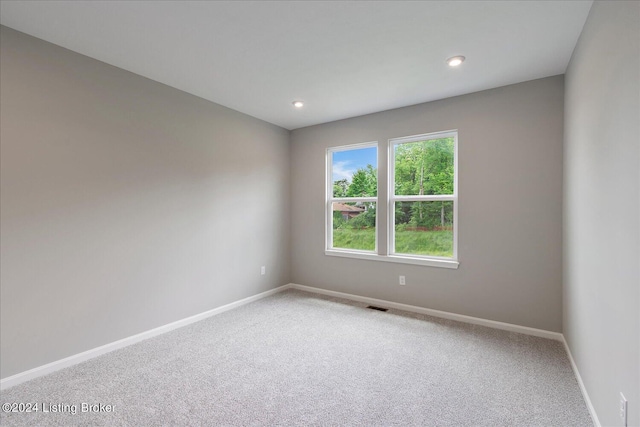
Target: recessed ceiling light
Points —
{"points": [[298, 104], [454, 61]]}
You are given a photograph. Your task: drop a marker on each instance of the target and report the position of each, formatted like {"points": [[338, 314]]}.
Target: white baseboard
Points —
{"points": [[583, 389], [437, 313], [95, 352]]}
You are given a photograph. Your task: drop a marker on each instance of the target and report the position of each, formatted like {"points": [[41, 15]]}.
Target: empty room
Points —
{"points": [[358, 213]]}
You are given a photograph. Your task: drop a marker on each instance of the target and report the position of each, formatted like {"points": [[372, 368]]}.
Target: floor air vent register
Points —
{"points": [[373, 307]]}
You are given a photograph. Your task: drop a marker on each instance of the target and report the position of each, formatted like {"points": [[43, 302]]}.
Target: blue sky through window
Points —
{"points": [[346, 163]]}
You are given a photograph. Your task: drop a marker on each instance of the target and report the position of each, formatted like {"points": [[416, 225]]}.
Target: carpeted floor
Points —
{"points": [[297, 358]]}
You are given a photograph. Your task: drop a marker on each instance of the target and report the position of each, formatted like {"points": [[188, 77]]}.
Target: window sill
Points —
{"points": [[430, 262]]}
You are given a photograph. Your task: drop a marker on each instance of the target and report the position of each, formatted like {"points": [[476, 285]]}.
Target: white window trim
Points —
{"points": [[431, 261], [330, 200], [404, 259]]}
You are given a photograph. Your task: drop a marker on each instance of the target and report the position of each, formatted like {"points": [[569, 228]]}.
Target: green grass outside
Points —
{"points": [[361, 239], [434, 243]]}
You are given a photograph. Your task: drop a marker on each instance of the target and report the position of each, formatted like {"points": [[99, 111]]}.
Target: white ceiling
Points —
{"points": [[344, 59]]}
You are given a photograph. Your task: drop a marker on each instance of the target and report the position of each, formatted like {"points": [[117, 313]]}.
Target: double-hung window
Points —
{"points": [[352, 196], [423, 196], [421, 201]]}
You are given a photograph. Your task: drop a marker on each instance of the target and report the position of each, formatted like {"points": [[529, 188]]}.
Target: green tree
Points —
{"points": [[424, 168], [364, 183], [366, 219], [340, 188]]}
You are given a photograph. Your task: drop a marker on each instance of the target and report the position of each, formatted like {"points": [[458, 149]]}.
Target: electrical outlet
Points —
{"points": [[623, 409], [263, 270], [402, 281]]}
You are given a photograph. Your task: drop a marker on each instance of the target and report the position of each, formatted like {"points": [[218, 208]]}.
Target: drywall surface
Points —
{"points": [[510, 206], [126, 204], [602, 208]]}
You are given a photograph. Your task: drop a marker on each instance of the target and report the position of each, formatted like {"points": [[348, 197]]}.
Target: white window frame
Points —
{"points": [[330, 200], [390, 198], [448, 262]]}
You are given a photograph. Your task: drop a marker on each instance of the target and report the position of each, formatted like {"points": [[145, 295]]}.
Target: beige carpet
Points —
{"points": [[297, 358]]}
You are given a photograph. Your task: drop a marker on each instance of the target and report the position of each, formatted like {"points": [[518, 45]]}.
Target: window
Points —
{"points": [[420, 222], [352, 196], [423, 196]]}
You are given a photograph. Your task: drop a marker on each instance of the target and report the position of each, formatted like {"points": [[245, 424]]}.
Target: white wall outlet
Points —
{"points": [[263, 270], [402, 281], [623, 409]]}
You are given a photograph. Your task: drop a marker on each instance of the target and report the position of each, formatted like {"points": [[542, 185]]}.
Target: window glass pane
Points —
{"points": [[354, 172], [354, 225], [424, 228], [424, 167]]}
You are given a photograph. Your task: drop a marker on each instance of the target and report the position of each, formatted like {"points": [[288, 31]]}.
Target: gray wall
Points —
{"points": [[602, 208], [510, 206], [126, 204]]}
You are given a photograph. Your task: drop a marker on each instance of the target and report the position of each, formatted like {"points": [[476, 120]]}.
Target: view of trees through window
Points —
{"points": [[423, 169], [421, 201]]}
